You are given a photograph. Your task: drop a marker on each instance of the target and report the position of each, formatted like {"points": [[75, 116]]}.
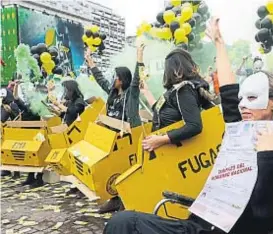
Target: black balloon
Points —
{"points": [[88, 33], [195, 2], [56, 60], [264, 34], [57, 70], [176, 10], [197, 17], [103, 36], [191, 36], [53, 51], [192, 22], [101, 48], [41, 48], [156, 24], [36, 56], [33, 50], [96, 34], [168, 7], [202, 8], [174, 25], [206, 16], [262, 12], [257, 38], [202, 27], [258, 24], [160, 18], [266, 48], [266, 23]]}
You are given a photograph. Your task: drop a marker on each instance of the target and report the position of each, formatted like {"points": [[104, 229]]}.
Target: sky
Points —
{"points": [[237, 16]]}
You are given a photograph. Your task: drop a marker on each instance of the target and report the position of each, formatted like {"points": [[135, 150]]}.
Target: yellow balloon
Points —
{"points": [[166, 33], [187, 27], [186, 4], [84, 38], [146, 27], [269, 6], [195, 8], [97, 41], [261, 50], [94, 28], [90, 41], [92, 48], [179, 34], [186, 13], [139, 32], [183, 40], [153, 32], [45, 57], [169, 16], [49, 66], [176, 2]]}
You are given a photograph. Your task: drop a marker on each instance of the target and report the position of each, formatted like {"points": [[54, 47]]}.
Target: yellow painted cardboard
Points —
{"points": [[181, 169], [102, 156], [59, 158]]}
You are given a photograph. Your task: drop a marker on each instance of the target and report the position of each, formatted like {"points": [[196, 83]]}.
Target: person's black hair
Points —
{"points": [[73, 87], [179, 66], [124, 75], [257, 58], [9, 98]]}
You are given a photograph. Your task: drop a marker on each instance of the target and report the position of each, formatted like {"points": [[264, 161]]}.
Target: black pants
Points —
{"points": [[129, 222]]}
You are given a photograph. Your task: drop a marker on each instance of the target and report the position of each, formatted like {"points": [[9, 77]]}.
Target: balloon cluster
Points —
{"points": [[265, 26], [93, 39], [183, 22], [48, 58]]}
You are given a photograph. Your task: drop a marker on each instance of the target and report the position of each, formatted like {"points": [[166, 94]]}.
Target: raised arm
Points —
{"points": [[228, 88], [224, 70], [103, 83]]}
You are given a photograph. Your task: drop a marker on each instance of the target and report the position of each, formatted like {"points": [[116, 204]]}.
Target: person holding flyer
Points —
{"points": [[252, 102]]}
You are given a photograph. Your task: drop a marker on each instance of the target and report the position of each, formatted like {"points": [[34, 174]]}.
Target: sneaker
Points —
{"points": [[16, 175], [5, 173], [37, 184], [114, 204], [30, 179], [72, 191]]}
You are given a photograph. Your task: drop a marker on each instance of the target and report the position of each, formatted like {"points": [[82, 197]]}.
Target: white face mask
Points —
{"points": [[254, 92], [258, 65]]}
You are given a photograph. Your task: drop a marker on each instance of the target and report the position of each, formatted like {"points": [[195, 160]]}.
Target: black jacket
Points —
{"points": [[182, 103], [132, 94], [258, 216]]}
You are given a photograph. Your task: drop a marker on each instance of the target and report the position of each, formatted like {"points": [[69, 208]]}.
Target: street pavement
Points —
{"points": [[47, 210]]}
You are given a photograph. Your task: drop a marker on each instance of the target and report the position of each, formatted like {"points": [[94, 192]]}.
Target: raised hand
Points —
{"points": [[213, 30]]}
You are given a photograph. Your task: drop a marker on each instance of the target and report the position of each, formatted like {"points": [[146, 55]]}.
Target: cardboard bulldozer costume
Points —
{"points": [[178, 168], [63, 137], [104, 154], [25, 143]]}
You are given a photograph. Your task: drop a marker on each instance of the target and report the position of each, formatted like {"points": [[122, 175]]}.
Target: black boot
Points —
{"points": [[114, 204], [30, 179], [16, 175], [38, 182], [5, 173]]}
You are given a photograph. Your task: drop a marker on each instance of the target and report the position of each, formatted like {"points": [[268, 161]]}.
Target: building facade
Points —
{"points": [[87, 13]]}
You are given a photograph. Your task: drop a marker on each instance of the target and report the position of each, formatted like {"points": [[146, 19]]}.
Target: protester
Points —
{"points": [[187, 93], [70, 110], [122, 103], [256, 104]]}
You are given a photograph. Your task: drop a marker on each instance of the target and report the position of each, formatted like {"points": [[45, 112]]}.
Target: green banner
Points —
{"points": [[9, 34]]}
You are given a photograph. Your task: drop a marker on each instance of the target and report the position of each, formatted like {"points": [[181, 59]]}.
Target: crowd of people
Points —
{"points": [[187, 95]]}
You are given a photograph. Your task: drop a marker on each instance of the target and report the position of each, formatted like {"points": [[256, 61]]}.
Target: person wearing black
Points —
{"points": [[187, 94], [9, 111], [70, 110], [258, 215], [122, 103]]}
